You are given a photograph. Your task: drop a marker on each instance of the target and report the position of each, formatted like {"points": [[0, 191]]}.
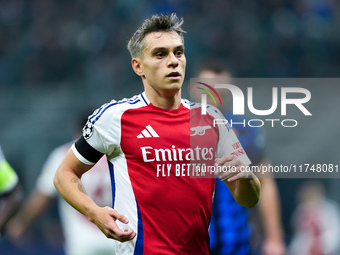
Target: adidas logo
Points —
{"points": [[148, 132]]}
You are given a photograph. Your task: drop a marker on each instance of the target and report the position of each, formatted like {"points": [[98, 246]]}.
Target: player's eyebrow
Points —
{"points": [[180, 47], [157, 49], [164, 49]]}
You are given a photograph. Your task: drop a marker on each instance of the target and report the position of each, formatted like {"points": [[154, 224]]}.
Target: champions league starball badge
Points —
{"points": [[88, 130]]}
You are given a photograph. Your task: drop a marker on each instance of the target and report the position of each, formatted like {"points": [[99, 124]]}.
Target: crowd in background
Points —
{"points": [[47, 41]]}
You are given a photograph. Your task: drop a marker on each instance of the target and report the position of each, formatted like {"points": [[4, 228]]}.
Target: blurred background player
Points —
{"points": [[316, 222], [10, 192], [82, 237], [231, 230]]}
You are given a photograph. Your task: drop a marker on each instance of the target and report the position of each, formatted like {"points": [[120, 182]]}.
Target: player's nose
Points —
{"points": [[173, 60]]}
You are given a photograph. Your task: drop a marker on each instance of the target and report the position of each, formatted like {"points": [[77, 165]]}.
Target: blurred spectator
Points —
{"points": [[10, 192], [82, 237], [56, 41], [316, 222]]}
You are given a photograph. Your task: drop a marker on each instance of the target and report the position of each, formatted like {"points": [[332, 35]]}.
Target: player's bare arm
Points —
{"points": [[269, 206], [67, 182], [244, 186], [80, 185]]}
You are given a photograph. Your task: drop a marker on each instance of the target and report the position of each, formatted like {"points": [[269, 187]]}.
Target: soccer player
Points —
{"points": [[81, 236], [158, 207], [315, 221], [230, 233], [10, 192]]}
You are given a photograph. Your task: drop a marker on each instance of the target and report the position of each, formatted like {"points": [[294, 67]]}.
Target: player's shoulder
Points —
{"points": [[115, 108], [242, 124]]}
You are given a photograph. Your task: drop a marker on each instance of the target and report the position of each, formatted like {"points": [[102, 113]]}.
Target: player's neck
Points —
{"points": [[168, 100]]}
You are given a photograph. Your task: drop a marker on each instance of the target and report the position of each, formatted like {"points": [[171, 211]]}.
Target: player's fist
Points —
{"points": [[105, 219]]}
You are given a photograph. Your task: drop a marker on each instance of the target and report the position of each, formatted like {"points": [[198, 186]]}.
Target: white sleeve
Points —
{"points": [[102, 130], [228, 143]]}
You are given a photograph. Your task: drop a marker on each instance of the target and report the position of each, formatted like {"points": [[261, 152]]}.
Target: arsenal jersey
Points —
{"points": [[158, 162]]}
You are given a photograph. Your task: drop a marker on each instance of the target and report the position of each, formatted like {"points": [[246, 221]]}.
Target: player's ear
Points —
{"points": [[136, 65]]}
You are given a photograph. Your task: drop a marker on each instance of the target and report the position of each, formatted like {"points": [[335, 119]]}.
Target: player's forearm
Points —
{"points": [[246, 191], [71, 189], [270, 209], [9, 205], [17, 226], [36, 204], [67, 182]]}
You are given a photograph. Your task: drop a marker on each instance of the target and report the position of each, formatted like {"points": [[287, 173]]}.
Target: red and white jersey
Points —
{"points": [[150, 152]]}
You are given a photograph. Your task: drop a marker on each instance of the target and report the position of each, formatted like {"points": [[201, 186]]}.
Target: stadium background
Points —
{"points": [[58, 58]]}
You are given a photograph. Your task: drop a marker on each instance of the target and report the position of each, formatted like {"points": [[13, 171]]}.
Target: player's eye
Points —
{"points": [[160, 54], [179, 53]]}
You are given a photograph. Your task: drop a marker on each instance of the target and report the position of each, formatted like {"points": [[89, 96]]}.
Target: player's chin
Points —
{"points": [[170, 92], [174, 84]]}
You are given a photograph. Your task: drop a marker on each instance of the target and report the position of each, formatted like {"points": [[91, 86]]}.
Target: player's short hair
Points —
{"points": [[157, 23]]}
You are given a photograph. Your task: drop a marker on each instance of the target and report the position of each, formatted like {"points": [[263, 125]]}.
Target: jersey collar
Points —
{"points": [[184, 102], [144, 98]]}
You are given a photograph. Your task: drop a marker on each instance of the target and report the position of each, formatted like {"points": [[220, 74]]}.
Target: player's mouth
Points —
{"points": [[174, 75]]}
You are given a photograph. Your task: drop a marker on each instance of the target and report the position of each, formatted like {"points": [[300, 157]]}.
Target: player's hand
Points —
{"points": [[15, 229], [228, 168], [243, 185], [273, 246], [105, 219]]}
